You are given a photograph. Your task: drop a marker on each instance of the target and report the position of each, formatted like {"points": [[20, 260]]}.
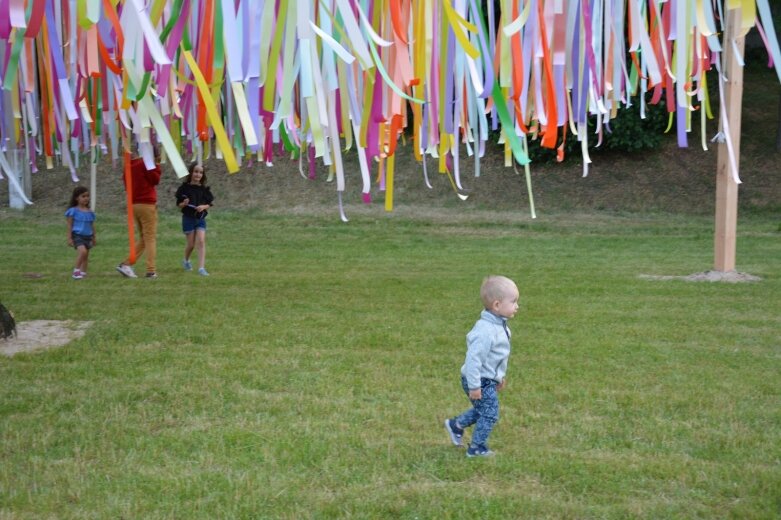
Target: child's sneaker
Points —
{"points": [[188, 266], [77, 275], [126, 271], [151, 276], [202, 271], [454, 431], [479, 451]]}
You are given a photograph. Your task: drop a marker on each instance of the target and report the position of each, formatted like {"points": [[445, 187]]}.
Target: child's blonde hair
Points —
{"points": [[495, 288]]}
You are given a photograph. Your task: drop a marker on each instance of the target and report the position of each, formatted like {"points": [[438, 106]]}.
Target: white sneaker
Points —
{"points": [[203, 272], [126, 270]]}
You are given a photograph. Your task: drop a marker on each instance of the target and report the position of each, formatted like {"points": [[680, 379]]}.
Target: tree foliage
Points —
{"points": [[627, 132]]}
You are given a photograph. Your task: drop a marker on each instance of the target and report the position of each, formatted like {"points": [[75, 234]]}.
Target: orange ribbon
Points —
{"points": [[396, 19], [131, 232], [205, 59], [550, 130]]}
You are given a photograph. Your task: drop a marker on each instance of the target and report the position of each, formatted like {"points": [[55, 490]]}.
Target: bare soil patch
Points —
{"points": [[708, 276], [37, 335]]}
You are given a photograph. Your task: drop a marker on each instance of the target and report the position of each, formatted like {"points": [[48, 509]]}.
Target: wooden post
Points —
{"points": [[726, 187]]}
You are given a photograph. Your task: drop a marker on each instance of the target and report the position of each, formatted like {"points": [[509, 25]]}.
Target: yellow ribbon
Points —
{"points": [[456, 22], [211, 111], [390, 163]]}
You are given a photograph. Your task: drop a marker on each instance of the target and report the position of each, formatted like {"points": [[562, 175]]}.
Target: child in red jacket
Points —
{"points": [[144, 187]]}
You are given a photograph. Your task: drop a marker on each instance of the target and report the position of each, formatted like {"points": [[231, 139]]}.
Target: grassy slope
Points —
{"points": [[669, 179]]}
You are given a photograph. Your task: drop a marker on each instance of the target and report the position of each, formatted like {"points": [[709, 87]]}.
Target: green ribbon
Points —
{"points": [[504, 115], [177, 8], [219, 42], [13, 62]]}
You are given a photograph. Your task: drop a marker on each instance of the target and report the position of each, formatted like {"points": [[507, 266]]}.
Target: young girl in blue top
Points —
{"points": [[81, 230]]}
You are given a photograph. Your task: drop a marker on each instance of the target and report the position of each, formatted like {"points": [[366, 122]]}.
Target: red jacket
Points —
{"points": [[144, 182]]}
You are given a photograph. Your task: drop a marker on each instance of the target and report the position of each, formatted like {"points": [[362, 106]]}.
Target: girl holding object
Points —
{"points": [[194, 198], [81, 230]]}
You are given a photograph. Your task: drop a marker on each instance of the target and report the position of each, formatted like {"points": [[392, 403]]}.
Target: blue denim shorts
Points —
{"points": [[81, 240], [190, 224]]}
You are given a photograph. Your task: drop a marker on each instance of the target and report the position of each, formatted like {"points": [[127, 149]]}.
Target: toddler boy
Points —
{"points": [[482, 375]]}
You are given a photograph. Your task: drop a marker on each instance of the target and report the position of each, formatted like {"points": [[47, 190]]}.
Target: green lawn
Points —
{"points": [[308, 377]]}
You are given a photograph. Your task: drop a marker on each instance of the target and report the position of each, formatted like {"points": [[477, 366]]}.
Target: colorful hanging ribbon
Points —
{"points": [[241, 77]]}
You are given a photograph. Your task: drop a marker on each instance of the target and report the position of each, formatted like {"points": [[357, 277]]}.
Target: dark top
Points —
{"points": [[198, 195]]}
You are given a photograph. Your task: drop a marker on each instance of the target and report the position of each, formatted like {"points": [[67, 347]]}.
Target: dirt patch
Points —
{"points": [[35, 335], [708, 276]]}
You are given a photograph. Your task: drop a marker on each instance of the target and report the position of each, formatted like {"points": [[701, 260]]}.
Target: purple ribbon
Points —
{"points": [[174, 38], [449, 101], [485, 52], [372, 134], [680, 120], [5, 20]]}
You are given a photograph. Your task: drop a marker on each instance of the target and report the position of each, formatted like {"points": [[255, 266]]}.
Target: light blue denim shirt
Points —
{"points": [[487, 350]]}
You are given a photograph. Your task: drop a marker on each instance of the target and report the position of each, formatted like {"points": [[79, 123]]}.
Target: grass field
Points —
{"points": [[308, 377]]}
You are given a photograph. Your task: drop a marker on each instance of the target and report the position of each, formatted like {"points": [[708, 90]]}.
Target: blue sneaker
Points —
{"points": [[202, 271], [454, 431], [188, 266], [479, 451]]}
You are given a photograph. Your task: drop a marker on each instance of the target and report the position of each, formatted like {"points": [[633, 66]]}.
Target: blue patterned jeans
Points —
{"points": [[484, 412]]}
